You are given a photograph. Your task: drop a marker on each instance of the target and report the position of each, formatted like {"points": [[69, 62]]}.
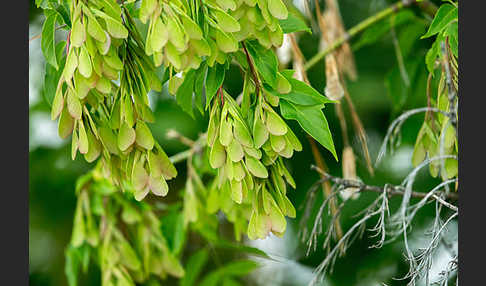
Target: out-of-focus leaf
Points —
{"points": [[195, 263]]}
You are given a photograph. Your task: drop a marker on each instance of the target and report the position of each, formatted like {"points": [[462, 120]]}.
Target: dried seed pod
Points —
{"points": [[349, 173], [333, 89]]}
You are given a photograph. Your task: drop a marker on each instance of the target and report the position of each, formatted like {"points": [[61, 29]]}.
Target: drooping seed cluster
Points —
{"points": [[123, 259], [249, 162], [133, 152], [259, 20], [103, 118], [173, 37], [438, 137], [92, 62], [182, 38]]}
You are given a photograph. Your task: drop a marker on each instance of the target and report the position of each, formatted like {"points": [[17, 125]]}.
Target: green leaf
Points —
{"points": [[63, 11], [445, 15], [52, 76], [199, 87], [41, 3], [431, 55], [451, 32], [195, 263], [48, 43], [312, 120], [294, 24], [214, 80], [301, 92], [265, 62], [184, 92]]}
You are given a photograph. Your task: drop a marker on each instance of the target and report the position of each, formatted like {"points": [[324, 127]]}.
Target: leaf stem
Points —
{"points": [[252, 70]]}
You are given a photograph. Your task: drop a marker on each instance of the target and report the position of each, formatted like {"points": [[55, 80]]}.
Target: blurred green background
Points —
{"points": [[379, 94]]}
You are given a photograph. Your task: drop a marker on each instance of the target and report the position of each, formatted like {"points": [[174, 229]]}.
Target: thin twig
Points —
{"points": [[173, 134], [326, 187], [196, 148], [397, 123], [391, 190]]}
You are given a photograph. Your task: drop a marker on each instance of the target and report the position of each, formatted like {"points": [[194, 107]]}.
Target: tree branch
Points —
{"points": [[390, 189]]}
